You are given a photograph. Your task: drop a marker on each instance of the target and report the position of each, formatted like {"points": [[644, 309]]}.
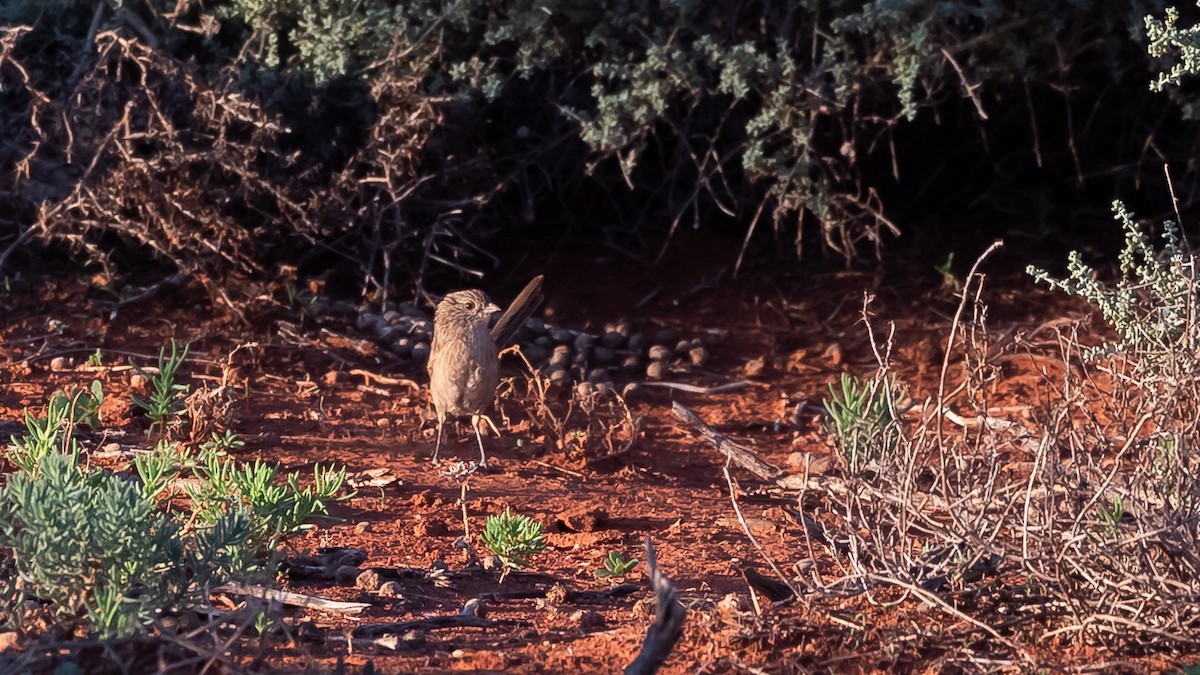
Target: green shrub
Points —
{"points": [[1151, 307], [861, 420], [164, 405], [111, 554], [514, 538], [91, 544], [615, 565]]}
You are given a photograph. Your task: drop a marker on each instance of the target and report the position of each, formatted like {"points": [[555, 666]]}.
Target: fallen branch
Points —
{"points": [[694, 389], [432, 623], [734, 452], [293, 599], [744, 457]]}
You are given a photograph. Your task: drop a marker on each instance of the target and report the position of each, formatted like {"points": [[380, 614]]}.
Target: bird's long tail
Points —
{"points": [[518, 311]]}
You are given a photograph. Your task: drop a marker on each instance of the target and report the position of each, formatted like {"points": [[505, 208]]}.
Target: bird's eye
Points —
{"points": [[471, 305]]}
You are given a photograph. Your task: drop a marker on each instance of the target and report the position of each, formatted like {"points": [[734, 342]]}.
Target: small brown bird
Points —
{"points": [[464, 360]]}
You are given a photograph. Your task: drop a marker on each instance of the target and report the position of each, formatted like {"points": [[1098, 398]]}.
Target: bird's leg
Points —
{"points": [[491, 424], [438, 445], [479, 437]]}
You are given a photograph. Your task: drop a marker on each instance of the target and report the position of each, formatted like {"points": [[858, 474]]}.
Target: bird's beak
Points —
{"points": [[491, 309]]}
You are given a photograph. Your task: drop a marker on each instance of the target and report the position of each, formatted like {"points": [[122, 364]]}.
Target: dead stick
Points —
{"points": [[432, 623], [294, 599], [734, 452], [669, 616]]}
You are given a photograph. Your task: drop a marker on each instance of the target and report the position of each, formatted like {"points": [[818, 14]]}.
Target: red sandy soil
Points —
{"points": [[303, 408]]}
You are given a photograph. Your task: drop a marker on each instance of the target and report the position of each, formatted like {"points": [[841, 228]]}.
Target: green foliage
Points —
{"points": [[1167, 38], [1110, 516], [616, 565], [861, 420], [331, 39], [93, 549], [44, 436], [637, 74], [83, 406], [513, 538], [92, 544], [222, 442], [164, 406], [1151, 307]]}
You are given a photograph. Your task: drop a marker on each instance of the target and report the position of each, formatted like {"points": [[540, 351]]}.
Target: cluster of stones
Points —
{"points": [[564, 355]]}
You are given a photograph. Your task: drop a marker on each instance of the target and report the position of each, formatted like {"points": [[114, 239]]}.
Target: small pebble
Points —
{"points": [[534, 353], [58, 363], [420, 352], [346, 574], [560, 335], [561, 357], [410, 310], [589, 619], [362, 526], [535, 325], [392, 316], [603, 355], [683, 346], [637, 342], [664, 335], [403, 347], [659, 353], [623, 327], [698, 356], [613, 340], [391, 589], [631, 364], [584, 341], [598, 375], [656, 370], [558, 376], [584, 390], [390, 334], [367, 322], [544, 342], [368, 580], [604, 388]]}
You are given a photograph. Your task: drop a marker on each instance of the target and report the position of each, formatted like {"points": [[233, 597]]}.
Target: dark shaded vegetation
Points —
{"points": [[379, 143]]}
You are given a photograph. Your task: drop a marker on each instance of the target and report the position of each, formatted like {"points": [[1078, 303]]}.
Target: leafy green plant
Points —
{"points": [[616, 565], [164, 405], [44, 436], [277, 510], [1151, 307], [862, 423], [83, 405], [96, 358], [1110, 516], [93, 549], [513, 538], [222, 442], [90, 544]]}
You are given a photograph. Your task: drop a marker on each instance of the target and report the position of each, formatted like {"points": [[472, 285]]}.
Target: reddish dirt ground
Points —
{"points": [[303, 407]]}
